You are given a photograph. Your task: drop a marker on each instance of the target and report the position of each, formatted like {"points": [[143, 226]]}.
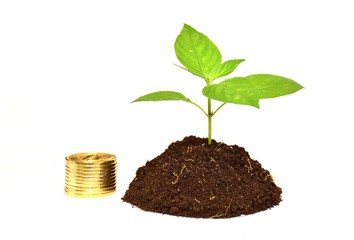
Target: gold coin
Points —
{"points": [[90, 174]]}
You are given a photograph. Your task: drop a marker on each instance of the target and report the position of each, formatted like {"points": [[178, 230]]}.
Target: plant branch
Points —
{"points": [[219, 108], [189, 101]]}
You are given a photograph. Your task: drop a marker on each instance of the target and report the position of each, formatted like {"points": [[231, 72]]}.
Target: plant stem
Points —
{"points": [[210, 115]]}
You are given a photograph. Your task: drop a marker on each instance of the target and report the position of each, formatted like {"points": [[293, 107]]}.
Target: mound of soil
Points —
{"points": [[195, 179]]}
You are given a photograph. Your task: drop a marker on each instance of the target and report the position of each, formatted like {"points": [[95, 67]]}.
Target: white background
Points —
{"points": [[69, 70]]}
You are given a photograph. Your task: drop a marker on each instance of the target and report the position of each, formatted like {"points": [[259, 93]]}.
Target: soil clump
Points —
{"points": [[192, 178]]}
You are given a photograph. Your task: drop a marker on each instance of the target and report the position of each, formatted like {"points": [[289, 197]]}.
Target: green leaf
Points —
{"points": [[226, 68], [249, 90], [234, 90], [271, 86], [162, 96], [197, 52]]}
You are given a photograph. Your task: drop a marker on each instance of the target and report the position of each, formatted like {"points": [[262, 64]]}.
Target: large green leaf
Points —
{"points": [[197, 52], [162, 96], [249, 90], [271, 86], [234, 90]]}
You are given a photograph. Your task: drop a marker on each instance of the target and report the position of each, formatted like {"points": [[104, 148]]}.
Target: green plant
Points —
{"points": [[200, 56]]}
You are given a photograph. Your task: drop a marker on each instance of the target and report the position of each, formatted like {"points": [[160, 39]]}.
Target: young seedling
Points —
{"points": [[200, 56]]}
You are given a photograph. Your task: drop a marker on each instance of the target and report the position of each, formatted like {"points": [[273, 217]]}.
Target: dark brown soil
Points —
{"points": [[194, 179]]}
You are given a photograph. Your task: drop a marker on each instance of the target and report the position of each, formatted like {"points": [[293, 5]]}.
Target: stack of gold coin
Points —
{"points": [[90, 174]]}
